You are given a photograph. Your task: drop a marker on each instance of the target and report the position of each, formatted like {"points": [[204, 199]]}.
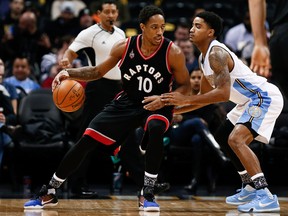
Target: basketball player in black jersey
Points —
{"points": [[149, 63]]}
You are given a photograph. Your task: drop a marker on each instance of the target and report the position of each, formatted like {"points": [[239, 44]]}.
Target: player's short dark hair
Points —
{"points": [[149, 11], [213, 20]]}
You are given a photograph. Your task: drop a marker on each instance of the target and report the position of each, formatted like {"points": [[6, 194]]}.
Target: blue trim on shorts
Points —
{"points": [[259, 98]]}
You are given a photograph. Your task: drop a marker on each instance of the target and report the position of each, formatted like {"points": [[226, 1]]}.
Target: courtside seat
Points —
{"points": [[42, 141]]}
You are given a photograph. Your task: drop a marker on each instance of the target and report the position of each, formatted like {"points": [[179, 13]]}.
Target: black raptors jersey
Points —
{"points": [[145, 75]]}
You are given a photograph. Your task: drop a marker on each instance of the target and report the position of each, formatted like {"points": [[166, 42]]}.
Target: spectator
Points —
{"points": [[240, 35], [11, 90], [181, 32], [10, 19], [85, 20], [65, 24], [21, 71], [7, 117], [188, 50], [28, 41], [57, 6], [39, 8], [240, 38], [49, 63]]}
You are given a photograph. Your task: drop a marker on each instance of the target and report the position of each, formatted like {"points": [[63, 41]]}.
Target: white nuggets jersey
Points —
{"points": [[258, 101], [101, 41]]}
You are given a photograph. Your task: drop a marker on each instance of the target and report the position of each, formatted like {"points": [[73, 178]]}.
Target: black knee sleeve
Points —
{"points": [[155, 148]]}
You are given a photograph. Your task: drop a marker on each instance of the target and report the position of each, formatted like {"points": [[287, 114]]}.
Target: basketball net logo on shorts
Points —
{"points": [[255, 111]]}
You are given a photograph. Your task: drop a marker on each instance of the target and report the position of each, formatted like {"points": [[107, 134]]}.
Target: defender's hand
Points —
{"points": [[153, 103], [174, 98]]}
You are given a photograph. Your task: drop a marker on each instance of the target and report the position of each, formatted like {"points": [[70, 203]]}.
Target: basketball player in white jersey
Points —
{"points": [[258, 104]]}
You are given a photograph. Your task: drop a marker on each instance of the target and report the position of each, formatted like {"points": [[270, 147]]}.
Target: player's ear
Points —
{"points": [[211, 32], [142, 26]]}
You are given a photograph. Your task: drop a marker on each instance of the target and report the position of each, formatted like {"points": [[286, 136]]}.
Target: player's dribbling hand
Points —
{"points": [[58, 78], [153, 103]]}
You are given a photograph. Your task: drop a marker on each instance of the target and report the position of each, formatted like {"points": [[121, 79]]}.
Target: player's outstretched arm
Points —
{"points": [[219, 62]]}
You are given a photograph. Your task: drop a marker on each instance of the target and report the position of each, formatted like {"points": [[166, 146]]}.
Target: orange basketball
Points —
{"points": [[69, 96]]}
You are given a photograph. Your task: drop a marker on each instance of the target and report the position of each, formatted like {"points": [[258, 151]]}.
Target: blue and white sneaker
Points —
{"points": [[151, 206], [244, 195], [42, 199], [263, 202]]}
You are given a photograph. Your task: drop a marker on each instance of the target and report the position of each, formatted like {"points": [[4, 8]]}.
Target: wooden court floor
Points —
{"points": [[198, 206]]}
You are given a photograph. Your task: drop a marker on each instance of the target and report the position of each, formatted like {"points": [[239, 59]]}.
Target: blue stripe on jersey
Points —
{"points": [[259, 98]]}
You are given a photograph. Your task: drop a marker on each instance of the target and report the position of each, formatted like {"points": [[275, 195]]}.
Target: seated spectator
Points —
{"points": [[85, 20], [188, 50], [195, 129], [50, 66], [240, 38], [12, 93], [41, 9], [7, 117], [58, 5], [28, 40], [21, 75], [65, 24], [181, 32], [10, 19], [240, 35]]}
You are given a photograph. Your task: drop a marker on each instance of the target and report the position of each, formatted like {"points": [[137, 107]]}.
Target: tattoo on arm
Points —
{"points": [[84, 73], [218, 59]]}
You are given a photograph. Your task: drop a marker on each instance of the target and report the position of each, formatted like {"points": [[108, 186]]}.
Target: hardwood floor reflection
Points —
{"points": [[199, 206]]}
